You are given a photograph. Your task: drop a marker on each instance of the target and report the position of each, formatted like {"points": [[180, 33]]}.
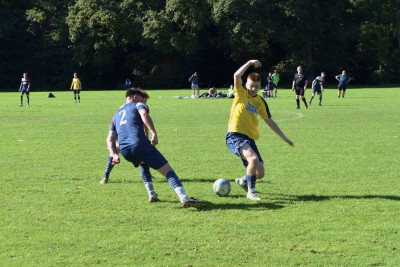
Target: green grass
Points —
{"points": [[332, 200]]}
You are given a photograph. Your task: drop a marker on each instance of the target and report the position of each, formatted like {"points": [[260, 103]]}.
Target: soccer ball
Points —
{"points": [[222, 187]]}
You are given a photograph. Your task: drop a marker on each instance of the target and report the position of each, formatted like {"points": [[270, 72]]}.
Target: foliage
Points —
{"points": [[160, 43]]}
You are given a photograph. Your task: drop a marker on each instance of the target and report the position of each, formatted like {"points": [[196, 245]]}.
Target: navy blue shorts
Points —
{"points": [[317, 91], [342, 87], [144, 153], [234, 141], [77, 92], [23, 91]]}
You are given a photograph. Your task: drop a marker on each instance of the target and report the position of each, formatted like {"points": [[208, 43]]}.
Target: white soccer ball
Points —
{"points": [[222, 187]]}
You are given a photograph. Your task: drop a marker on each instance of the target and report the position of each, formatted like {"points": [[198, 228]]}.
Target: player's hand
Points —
{"points": [[290, 143], [115, 159], [256, 63], [292, 88], [154, 140]]}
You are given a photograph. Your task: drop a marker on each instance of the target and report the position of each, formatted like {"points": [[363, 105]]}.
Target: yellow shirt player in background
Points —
{"points": [[243, 127], [76, 85]]}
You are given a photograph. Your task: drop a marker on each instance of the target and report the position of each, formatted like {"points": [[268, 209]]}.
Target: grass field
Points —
{"points": [[332, 200]]}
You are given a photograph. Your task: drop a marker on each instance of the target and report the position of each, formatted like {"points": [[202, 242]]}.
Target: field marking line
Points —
{"points": [[296, 117]]}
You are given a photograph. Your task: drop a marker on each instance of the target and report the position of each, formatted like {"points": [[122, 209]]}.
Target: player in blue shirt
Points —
{"points": [[194, 80], [318, 88], [144, 169], [128, 128], [343, 79], [24, 89], [270, 85]]}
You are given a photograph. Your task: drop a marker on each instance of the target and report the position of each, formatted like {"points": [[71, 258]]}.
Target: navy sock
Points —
{"points": [[320, 100], [298, 103], [145, 174], [251, 182], [109, 167], [173, 180]]}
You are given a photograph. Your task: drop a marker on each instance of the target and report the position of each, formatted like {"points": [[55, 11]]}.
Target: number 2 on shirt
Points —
{"points": [[123, 114]]}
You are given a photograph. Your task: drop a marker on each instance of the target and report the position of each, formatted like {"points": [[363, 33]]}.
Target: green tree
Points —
{"points": [[379, 43], [50, 57], [14, 43]]}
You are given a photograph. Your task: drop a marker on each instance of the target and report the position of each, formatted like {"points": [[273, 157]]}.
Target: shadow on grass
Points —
{"points": [[317, 198], [242, 206]]}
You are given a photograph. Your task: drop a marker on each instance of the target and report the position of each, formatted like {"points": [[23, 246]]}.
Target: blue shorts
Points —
{"points": [[77, 92], [24, 91], [317, 91], [234, 141], [342, 87], [144, 153]]}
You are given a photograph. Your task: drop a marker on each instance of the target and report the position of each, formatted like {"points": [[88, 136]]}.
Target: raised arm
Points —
{"points": [[271, 123], [237, 77]]}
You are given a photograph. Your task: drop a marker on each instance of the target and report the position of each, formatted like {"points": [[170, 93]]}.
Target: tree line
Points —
{"points": [[160, 43]]}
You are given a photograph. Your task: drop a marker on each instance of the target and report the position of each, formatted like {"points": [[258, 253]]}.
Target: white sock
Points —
{"points": [[180, 191], [150, 189]]}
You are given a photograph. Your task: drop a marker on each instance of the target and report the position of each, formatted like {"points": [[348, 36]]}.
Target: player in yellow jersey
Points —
{"points": [[243, 127], [76, 85]]}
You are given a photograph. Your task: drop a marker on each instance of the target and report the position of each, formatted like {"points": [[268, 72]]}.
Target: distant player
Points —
{"points": [[127, 127], [275, 78], [270, 86], [343, 79], [300, 85], [318, 88], [243, 127], [194, 80], [24, 89], [128, 83], [76, 85]]}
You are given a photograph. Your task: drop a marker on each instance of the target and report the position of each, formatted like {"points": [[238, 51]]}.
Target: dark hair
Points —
{"points": [[254, 76], [137, 91]]}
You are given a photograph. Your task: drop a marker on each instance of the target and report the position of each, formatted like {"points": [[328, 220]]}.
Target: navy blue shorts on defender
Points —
{"points": [[234, 141], [144, 153], [24, 91], [317, 90], [342, 87]]}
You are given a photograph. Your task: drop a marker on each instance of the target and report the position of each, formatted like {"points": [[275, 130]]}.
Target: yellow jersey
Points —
{"points": [[244, 113], [76, 84]]}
